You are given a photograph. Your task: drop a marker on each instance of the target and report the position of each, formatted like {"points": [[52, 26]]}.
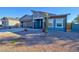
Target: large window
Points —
{"points": [[59, 23]]}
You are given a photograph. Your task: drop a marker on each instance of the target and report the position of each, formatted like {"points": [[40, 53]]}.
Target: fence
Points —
{"points": [[75, 28]]}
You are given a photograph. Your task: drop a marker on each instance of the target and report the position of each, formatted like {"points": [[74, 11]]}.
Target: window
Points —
{"points": [[51, 23], [59, 23]]}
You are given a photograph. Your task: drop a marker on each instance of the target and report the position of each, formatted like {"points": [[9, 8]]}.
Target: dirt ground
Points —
{"points": [[37, 42], [58, 46]]}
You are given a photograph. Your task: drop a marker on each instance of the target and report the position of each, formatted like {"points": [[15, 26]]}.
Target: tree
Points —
{"points": [[76, 20]]}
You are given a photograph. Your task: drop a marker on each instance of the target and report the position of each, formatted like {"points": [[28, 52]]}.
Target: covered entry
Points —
{"points": [[38, 23]]}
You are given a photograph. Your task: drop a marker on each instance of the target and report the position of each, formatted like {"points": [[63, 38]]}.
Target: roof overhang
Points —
{"points": [[59, 16]]}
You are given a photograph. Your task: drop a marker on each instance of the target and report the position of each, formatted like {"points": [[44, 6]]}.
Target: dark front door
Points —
{"points": [[38, 23]]}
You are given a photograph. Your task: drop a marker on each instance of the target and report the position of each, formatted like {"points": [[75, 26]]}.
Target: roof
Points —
{"points": [[26, 18], [50, 15], [11, 18], [41, 12], [59, 16]]}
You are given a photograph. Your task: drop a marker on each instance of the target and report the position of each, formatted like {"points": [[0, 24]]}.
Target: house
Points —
{"points": [[37, 21], [10, 22], [26, 21]]}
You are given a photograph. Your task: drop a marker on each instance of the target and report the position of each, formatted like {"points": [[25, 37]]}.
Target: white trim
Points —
{"points": [[61, 22], [38, 17]]}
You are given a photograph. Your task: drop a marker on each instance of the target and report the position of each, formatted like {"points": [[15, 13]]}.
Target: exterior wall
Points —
{"points": [[14, 23], [26, 21], [38, 14], [54, 27], [27, 24], [75, 28]]}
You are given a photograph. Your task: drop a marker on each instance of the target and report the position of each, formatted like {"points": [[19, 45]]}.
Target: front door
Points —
{"points": [[38, 24]]}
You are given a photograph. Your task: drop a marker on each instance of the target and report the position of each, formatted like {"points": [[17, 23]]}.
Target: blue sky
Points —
{"points": [[20, 11]]}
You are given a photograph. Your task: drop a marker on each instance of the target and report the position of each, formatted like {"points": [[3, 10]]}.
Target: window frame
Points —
{"points": [[62, 22], [51, 22]]}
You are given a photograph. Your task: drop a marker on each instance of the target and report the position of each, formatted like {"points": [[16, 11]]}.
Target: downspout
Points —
{"points": [[46, 24], [65, 24]]}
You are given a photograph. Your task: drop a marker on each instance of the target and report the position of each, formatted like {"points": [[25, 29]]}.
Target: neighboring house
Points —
{"points": [[0, 24], [10, 22], [37, 19], [75, 25]]}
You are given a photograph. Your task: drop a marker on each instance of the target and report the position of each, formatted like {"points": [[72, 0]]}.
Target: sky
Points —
{"points": [[21, 11]]}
